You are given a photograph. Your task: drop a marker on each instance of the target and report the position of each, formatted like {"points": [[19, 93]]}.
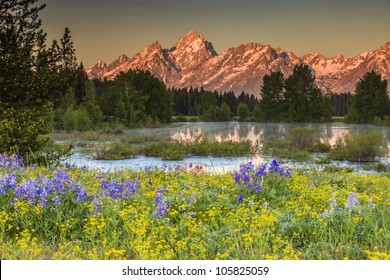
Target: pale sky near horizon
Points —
{"points": [[102, 30]]}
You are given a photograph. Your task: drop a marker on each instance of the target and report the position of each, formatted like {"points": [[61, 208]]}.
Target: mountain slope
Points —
{"points": [[192, 61]]}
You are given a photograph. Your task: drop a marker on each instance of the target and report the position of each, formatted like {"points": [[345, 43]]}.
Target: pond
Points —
{"points": [[254, 132]]}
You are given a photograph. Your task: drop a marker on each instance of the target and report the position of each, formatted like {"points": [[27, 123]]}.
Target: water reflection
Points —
{"points": [[257, 133]]}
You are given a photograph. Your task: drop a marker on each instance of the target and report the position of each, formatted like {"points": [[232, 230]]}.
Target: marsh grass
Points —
{"points": [[113, 151], [299, 145], [178, 150], [362, 147]]}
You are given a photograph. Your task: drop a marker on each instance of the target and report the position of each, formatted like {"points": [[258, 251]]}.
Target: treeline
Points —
{"points": [[135, 98], [213, 106]]}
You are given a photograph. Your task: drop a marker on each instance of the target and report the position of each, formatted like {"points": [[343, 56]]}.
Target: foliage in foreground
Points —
{"points": [[258, 212], [31, 73]]}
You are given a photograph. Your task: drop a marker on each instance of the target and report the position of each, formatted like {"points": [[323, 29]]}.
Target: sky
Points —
{"points": [[105, 29]]}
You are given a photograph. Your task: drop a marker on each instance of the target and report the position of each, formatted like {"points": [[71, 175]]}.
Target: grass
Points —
{"points": [[189, 214], [113, 151], [362, 147], [177, 150], [301, 142]]}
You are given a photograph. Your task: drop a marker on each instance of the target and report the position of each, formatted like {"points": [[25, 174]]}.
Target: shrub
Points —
{"points": [[363, 147], [113, 151], [302, 137]]}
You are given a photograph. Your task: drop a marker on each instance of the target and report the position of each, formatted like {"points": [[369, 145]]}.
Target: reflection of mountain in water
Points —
{"points": [[257, 133]]}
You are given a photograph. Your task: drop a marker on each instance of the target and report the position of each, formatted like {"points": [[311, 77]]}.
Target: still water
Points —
{"points": [[222, 131]]}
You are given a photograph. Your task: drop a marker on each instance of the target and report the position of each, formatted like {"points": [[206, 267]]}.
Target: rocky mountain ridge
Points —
{"points": [[192, 61]]}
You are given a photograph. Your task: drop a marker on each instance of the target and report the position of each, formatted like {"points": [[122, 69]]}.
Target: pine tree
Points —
{"points": [[242, 112], [371, 98], [303, 99], [28, 70], [272, 97]]}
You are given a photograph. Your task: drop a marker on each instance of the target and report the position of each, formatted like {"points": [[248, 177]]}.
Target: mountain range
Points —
{"points": [[192, 61]]}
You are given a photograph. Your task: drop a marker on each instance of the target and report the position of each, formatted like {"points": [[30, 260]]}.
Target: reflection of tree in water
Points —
{"points": [[257, 133], [325, 133], [243, 131]]}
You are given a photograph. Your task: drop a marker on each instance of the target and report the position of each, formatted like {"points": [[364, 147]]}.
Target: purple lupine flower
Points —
{"points": [[160, 206], [159, 195], [130, 187], [12, 162], [261, 171], [56, 200], [82, 194], [246, 178], [7, 182], [258, 188], [192, 199], [97, 206], [287, 172], [60, 180], [274, 167], [388, 166], [240, 198], [352, 201], [237, 177]]}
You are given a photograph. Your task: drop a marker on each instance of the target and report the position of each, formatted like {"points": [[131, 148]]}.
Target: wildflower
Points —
{"points": [[237, 177], [240, 198], [274, 167], [7, 182], [97, 206], [112, 188], [246, 178], [192, 199], [60, 180], [352, 200], [130, 187], [160, 206], [325, 214], [286, 172], [261, 171], [13, 162], [82, 195], [371, 204], [258, 188], [56, 200]]}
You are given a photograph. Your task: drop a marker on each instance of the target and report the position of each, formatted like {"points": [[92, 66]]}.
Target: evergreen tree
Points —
{"points": [[271, 94], [28, 70], [371, 98], [209, 106], [242, 112], [89, 102], [303, 99], [224, 113]]}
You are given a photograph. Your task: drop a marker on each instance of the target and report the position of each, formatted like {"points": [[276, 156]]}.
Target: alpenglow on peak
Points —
{"points": [[193, 62]]}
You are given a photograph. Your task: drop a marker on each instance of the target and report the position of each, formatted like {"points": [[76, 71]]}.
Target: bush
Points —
{"points": [[363, 147], [113, 151], [302, 137], [77, 120]]}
